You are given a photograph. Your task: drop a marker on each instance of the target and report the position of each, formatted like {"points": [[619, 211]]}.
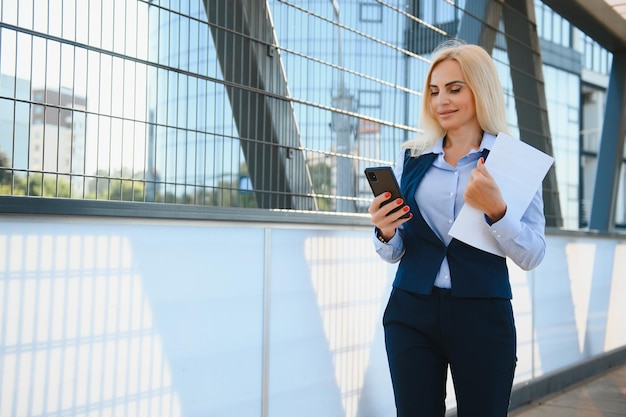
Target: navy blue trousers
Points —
{"points": [[475, 337]]}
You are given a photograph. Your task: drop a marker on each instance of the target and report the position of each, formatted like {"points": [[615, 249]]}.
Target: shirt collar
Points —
{"points": [[486, 143]]}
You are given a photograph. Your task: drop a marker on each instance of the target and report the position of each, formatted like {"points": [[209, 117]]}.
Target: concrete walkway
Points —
{"points": [[601, 396]]}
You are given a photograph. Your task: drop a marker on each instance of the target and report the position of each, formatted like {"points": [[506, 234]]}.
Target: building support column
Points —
{"points": [[256, 85], [525, 62], [611, 152], [479, 24]]}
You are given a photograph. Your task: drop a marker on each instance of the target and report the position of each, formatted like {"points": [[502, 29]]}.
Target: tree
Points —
{"points": [[113, 187], [6, 175], [320, 177], [126, 190], [36, 184]]}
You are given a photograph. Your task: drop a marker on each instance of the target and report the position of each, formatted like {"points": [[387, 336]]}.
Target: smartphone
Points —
{"points": [[382, 179]]}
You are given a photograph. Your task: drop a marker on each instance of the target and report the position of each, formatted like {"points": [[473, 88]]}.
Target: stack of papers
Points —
{"points": [[518, 169]]}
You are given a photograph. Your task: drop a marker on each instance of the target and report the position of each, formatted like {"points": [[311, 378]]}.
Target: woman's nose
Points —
{"points": [[443, 98]]}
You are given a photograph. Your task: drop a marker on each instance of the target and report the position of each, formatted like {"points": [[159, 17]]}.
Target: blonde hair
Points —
{"points": [[480, 76]]}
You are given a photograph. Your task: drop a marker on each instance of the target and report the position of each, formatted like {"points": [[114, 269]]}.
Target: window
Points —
{"points": [[369, 99], [371, 12]]}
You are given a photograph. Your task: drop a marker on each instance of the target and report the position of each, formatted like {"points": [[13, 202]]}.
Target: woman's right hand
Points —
{"points": [[383, 219]]}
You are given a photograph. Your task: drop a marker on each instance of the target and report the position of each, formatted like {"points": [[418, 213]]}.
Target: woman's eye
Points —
{"points": [[456, 90], [434, 93]]}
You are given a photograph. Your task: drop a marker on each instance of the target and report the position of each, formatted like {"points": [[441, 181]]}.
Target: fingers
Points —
{"points": [[480, 177], [378, 202], [482, 192], [387, 214], [480, 168]]}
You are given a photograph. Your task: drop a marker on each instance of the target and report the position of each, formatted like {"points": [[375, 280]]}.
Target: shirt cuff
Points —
{"points": [[390, 243], [506, 228]]}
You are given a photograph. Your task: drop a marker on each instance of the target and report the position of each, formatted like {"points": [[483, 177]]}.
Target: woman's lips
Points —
{"points": [[446, 113]]}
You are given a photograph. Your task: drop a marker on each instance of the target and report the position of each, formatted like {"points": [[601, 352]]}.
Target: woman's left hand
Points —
{"points": [[483, 193]]}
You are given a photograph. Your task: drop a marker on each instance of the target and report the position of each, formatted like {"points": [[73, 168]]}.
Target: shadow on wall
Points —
{"points": [[573, 307], [153, 319], [129, 320], [178, 318]]}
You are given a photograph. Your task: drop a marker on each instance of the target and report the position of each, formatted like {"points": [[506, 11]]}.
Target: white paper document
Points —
{"points": [[518, 169]]}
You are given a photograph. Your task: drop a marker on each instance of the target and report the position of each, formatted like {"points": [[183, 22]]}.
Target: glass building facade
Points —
{"points": [[269, 105]]}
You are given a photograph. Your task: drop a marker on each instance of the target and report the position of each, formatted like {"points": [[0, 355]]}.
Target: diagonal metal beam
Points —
{"points": [[596, 18], [479, 24], [611, 153], [524, 54], [256, 85]]}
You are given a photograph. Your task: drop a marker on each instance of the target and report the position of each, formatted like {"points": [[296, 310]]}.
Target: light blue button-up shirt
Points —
{"points": [[440, 198]]}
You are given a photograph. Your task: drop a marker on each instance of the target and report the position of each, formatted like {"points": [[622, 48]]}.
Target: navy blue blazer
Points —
{"points": [[473, 272]]}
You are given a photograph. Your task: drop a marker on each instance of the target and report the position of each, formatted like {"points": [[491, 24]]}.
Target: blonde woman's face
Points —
{"points": [[451, 100]]}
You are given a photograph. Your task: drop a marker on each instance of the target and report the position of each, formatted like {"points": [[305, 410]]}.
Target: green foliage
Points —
{"points": [[38, 185], [5, 174], [320, 177], [126, 190], [106, 186], [103, 188], [228, 193]]}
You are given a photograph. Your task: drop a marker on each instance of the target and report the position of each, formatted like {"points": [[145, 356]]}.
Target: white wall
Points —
{"points": [[127, 317]]}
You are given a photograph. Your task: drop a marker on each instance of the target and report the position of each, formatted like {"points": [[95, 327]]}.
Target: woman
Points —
{"points": [[450, 304]]}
